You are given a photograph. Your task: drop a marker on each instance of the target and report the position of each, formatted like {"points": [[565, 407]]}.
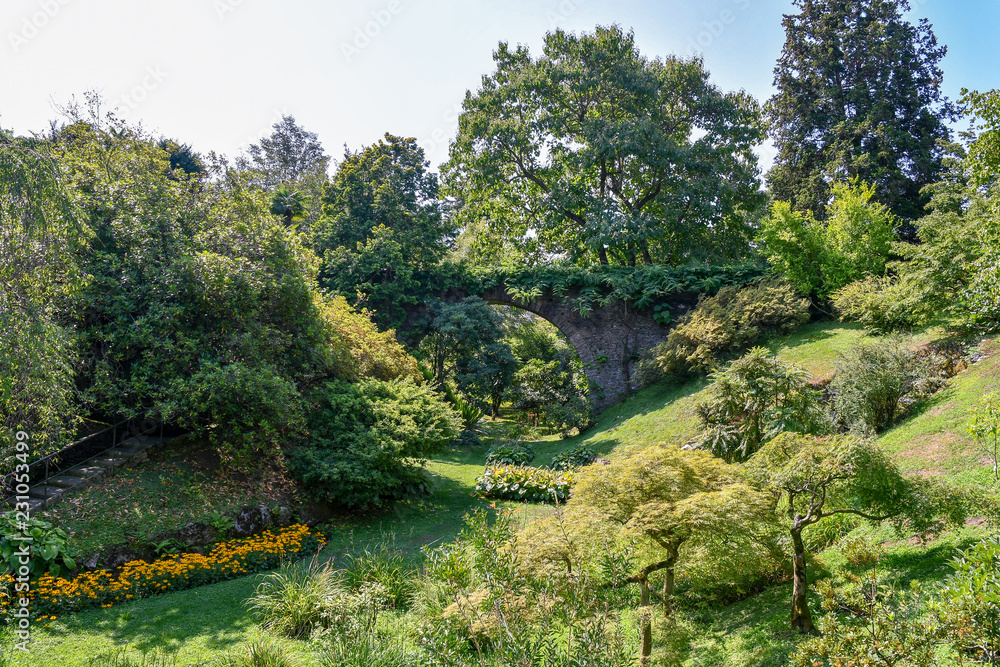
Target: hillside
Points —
{"points": [[750, 632]]}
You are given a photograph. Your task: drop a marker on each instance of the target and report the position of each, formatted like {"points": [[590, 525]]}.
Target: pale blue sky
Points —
{"points": [[217, 73]]}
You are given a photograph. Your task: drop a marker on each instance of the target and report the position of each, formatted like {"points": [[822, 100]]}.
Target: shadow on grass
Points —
{"points": [[214, 614], [809, 334]]}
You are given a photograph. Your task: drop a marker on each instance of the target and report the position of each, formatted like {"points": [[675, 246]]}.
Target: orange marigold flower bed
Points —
{"points": [[139, 579]]}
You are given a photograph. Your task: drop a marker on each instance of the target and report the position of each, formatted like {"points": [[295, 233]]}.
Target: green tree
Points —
{"points": [[42, 235], [669, 499], [984, 426], [382, 232], [464, 344], [366, 441], [285, 156], [818, 478], [596, 153], [984, 155], [819, 257], [752, 400], [859, 96]]}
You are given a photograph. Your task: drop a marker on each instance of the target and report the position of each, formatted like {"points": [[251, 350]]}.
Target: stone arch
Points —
{"points": [[608, 338]]}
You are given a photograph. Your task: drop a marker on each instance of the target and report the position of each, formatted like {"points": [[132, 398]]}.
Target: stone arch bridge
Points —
{"points": [[608, 338]]}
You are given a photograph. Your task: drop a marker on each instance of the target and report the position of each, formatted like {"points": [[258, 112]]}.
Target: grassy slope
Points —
{"points": [[206, 621]]}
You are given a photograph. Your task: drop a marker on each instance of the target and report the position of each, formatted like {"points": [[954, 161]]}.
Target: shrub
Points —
{"points": [[724, 325], [576, 457], [754, 399], [48, 546], [536, 485], [244, 409], [510, 453], [468, 439], [820, 257], [882, 626], [367, 440], [970, 606], [984, 426], [878, 303], [258, 653], [871, 381], [290, 602]]}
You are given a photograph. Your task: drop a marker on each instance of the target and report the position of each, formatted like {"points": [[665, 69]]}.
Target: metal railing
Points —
{"points": [[81, 451]]}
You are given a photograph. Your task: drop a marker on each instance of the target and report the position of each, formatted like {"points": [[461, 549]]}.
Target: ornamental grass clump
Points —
{"points": [[290, 602], [385, 567], [258, 653]]}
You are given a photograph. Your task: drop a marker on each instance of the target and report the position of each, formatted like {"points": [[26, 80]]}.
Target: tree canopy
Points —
{"points": [[859, 95], [382, 230], [593, 152]]}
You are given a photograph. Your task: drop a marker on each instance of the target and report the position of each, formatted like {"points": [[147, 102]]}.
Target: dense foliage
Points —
{"points": [[40, 234], [549, 387], [873, 379], [366, 440], [641, 287], [592, 148], [464, 346], [722, 326], [382, 232], [754, 399], [858, 95], [820, 257], [951, 274]]}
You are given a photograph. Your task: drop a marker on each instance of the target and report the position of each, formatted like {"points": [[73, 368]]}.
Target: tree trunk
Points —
{"points": [[801, 618], [668, 581], [646, 621], [602, 253]]}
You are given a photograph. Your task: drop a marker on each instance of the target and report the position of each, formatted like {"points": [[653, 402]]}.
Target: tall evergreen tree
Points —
{"points": [[859, 94]]}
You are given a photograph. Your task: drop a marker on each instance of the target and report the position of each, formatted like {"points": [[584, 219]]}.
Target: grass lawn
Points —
{"points": [[203, 622]]}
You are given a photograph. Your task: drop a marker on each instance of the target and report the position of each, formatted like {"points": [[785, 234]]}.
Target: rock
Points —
{"points": [[91, 562], [251, 520], [284, 517], [118, 557], [313, 512], [197, 534]]}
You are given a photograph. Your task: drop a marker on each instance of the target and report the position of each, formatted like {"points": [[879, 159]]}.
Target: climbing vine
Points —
{"points": [[643, 287]]}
